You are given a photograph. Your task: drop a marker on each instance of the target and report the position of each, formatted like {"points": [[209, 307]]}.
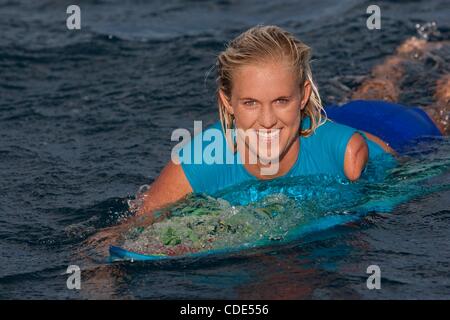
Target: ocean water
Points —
{"points": [[86, 118]]}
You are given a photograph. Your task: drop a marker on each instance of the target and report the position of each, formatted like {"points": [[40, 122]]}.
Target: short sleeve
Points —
{"points": [[198, 173], [204, 161], [343, 136], [336, 138]]}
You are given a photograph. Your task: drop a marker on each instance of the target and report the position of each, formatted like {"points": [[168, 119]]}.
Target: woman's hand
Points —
{"points": [[99, 242], [169, 187], [114, 235]]}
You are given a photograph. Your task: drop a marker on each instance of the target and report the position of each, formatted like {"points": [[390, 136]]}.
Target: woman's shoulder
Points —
{"points": [[335, 136], [324, 149], [208, 163], [328, 131]]}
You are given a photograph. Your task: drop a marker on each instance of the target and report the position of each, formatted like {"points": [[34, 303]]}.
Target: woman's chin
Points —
{"points": [[265, 155], [268, 158]]}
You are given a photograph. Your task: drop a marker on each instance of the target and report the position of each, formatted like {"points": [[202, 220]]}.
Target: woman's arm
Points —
{"points": [[171, 186], [380, 142], [357, 153], [356, 156]]}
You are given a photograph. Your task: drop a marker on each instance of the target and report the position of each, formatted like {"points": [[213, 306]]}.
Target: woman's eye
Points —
{"points": [[282, 101], [250, 103]]}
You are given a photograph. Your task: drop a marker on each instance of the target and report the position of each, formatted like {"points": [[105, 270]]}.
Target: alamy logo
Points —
{"points": [[209, 147], [74, 280], [73, 22], [374, 280], [374, 20]]}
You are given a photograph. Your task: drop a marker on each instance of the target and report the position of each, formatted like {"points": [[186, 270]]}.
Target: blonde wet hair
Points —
{"points": [[262, 44]]}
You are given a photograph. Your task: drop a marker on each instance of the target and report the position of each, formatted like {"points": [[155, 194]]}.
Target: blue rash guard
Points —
{"points": [[209, 169]]}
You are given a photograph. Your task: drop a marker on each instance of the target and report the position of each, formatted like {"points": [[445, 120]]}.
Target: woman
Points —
{"points": [[265, 83], [265, 87]]}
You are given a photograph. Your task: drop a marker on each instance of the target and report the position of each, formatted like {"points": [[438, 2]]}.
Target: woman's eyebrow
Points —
{"points": [[280, 97], [283, 97]]}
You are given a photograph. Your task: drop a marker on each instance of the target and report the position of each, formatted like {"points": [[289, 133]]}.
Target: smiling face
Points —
{"points": [[266, 100]]}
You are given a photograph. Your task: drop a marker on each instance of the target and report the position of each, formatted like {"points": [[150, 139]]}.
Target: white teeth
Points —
{"points": [[268, 134]]}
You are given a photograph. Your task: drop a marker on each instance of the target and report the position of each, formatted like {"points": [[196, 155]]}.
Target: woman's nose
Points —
{"points": [[267, 117]]}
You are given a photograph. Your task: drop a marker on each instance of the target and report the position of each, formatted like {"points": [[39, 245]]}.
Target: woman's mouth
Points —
{"points": [[268, 135]]}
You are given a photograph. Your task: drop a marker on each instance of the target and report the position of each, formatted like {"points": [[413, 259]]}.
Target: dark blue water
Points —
{"points": [[86, 118]]}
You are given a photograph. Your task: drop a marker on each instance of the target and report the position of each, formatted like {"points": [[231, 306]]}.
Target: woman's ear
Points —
{"points": [[225, 102], [306, 94]]}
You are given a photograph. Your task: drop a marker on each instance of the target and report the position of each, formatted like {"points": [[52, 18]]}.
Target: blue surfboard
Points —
{"points": [[408, 191]]}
